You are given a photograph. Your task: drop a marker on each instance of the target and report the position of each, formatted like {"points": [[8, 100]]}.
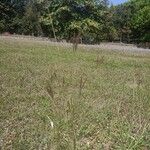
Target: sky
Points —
{"points": [[115, 2]]}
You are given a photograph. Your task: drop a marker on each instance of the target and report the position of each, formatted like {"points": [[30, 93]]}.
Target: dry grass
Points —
{"points": [[56, 99]]}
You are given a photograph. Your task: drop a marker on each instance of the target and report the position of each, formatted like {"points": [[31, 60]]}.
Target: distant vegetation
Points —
{"points": [[93, 20]]}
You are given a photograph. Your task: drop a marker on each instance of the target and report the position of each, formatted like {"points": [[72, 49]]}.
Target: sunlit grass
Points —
{"points": [[54, 98]]}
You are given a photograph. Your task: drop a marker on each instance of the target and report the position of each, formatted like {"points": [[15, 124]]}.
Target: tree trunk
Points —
{"points": [[75, 41]]}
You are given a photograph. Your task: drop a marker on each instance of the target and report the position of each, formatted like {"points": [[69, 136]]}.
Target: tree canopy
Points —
{"points": [[93, 20]]}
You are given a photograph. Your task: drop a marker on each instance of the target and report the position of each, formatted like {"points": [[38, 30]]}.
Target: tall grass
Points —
{"points": [[60, 100]]}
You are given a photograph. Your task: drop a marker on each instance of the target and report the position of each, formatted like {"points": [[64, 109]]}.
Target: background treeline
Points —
{"points": [[93, 20]]}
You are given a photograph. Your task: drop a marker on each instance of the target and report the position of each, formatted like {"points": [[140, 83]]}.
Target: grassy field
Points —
{"points": [[54, 99]]}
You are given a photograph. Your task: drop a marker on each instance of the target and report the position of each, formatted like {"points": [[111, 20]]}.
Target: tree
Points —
{"points": [[91, 20], [71, 19], [141, 20], [122, 20], [7, 12], [30, 20]]}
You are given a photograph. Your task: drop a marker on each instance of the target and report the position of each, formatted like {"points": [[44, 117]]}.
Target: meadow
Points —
{"points": [[52, 98]]}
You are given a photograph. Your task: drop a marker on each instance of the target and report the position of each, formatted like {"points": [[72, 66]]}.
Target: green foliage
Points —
{"points": [[84, 26], [70, 18], [31, 21], [94, 19], [122, 20], [2, 26], [141, 20]]}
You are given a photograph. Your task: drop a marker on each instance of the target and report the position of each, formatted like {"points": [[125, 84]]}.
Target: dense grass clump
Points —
{"points": [[56, 99]]}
